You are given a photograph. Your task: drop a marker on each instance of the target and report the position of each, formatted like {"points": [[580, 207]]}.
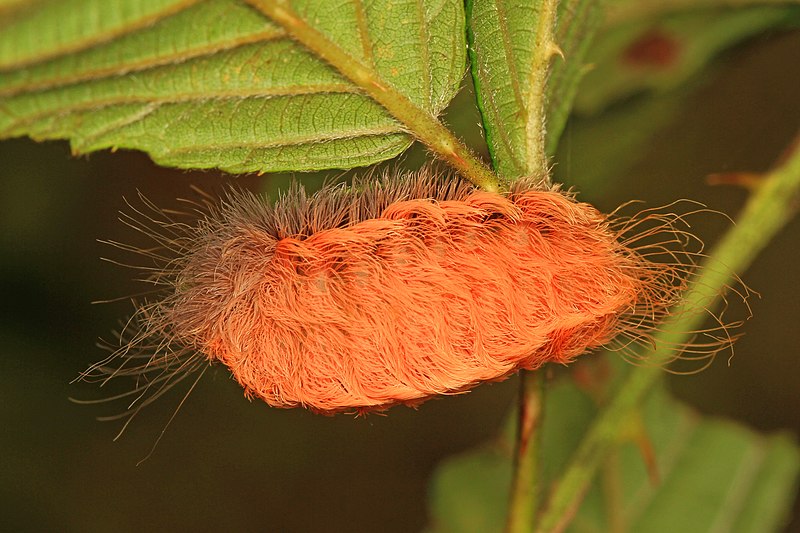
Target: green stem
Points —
{"points": [[545, 48], [626, 12], [766, 212], [526, 487], [612, 490], [419, 122]]}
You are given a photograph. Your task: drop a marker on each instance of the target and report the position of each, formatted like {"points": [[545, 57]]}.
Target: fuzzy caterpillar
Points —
{"points": [[394, 290]]}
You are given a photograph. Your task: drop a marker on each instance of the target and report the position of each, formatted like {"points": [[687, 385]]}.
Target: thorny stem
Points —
{"points": [[766, 212], [544, 48], [526, 487], [419, 122]]}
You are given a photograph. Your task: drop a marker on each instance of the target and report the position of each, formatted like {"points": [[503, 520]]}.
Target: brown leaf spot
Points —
{"points": [[653, 48]]}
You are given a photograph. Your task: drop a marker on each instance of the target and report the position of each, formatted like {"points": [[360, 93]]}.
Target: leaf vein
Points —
{"points": [[136, 116], [99, 38], [143, 65], [424, 36], [250, 92], [363, 33], [299, 140]]}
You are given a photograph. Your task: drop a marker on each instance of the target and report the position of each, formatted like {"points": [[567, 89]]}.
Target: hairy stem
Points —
{"points": [[544, 50], [526, 487], [766, 212], [419, 122]]}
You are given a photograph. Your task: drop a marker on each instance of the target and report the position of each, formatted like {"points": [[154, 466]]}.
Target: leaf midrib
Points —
{"points": [[749, 468]]}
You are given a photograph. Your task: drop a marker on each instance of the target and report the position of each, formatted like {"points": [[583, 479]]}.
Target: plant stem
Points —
{"points": [[527, 484], [612, 490], [526, 487], [545, 48], [419, 122], [766, 212], [626, 12]]}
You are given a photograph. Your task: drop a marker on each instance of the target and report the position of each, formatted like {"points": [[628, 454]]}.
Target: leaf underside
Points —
{"points": [[714, 475], [213, 84], [502, 50]]}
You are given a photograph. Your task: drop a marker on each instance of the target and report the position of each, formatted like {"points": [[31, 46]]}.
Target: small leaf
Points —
{"points": [[660, 54], [469, 492], [715, 475], [215, 84], [511, 61]]}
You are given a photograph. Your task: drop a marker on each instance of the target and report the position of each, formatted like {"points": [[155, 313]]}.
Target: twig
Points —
{"points": [[767, 211], [545, 48], [619, 13], [526, 487], [527, 484]]}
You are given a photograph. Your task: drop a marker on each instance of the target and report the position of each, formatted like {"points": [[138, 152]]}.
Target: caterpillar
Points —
{"points": [[393, 290]]}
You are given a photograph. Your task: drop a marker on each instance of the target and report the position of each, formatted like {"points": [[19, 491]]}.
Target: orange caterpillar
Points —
{"points": [[391, 291]]}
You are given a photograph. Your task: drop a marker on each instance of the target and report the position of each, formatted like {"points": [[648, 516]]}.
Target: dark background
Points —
{"points": [[227, 464]]}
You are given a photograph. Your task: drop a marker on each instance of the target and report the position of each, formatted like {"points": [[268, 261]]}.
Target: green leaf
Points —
{"points": [[215, 84], [714, 475], [658, 54], [469, 493], [33, 33], [514, 71]]}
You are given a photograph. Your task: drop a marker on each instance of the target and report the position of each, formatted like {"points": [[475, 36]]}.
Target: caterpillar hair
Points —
{"points": [[394, 290]]}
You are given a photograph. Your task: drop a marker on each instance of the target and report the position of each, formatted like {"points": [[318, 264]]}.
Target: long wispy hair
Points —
{"points": [[394, 289]]}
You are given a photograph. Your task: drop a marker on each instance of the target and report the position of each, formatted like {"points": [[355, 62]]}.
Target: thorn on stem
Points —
{"points": [[554, 50]]}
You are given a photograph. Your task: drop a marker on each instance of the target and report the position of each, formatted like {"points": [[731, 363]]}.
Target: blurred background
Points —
{"points": [[228, 464]]}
